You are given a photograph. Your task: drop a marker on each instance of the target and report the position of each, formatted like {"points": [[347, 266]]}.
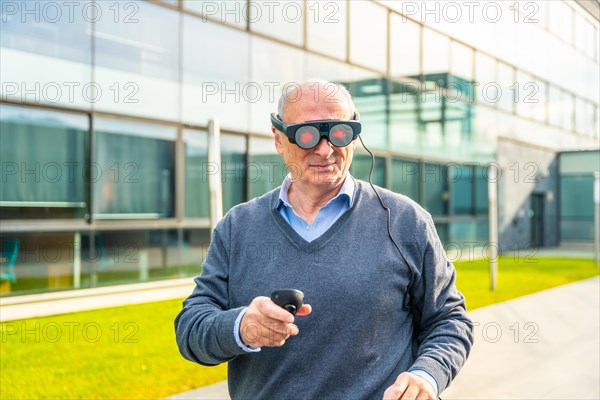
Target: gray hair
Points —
{"points": [[293, 87]]}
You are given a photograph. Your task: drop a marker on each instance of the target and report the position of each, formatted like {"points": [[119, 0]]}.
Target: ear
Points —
{"points": [[278, 143]]}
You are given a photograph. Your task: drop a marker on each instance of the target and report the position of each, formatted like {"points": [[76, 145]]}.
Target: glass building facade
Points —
{"points": [[105, 108]]}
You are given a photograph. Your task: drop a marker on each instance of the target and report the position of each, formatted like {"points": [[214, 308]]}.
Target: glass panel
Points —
{"points": [[326, 27], [233, 170], [436, 54], [461, 187], [405, 178], [44, 163], [568, 111], [506, 84], [485, 77], [136, 174], [45, 262], [370, 101], [233, 12], [525, 94], [481, 191], [576, 207], [555, 106], [462, 61], [215, 75], [38, 34], [361, 165], [197, 171], [363, 35], [136, 62], [271, 74], [405, 47], [266, 168], [435, 194], [281, 20]]}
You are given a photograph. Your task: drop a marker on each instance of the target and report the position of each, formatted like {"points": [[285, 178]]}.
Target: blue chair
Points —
{"points": [[10, 250]]}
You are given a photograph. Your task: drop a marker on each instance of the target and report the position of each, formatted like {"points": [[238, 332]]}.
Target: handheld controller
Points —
{"points": [[290, 299]]}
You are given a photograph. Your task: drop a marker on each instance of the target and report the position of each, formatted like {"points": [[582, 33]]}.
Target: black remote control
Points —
{"points": [[290, 299]]}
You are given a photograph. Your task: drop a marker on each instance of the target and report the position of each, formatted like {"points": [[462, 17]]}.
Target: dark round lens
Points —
{"points": [[341, 135], [307, 137]]}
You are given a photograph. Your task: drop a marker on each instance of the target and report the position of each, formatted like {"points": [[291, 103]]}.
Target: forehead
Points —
{"points": [[316, 102]]}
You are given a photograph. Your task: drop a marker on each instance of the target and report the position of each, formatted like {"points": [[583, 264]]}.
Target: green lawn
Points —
{"points": [[130, 352]]}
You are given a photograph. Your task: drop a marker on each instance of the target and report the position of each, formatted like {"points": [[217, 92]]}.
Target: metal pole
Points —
{"points": [[597, 217], [214, 179], [493, 174]]}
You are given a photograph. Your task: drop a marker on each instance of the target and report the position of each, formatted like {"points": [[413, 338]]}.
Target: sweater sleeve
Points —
{"points": [[443, 331], [204, 328]]}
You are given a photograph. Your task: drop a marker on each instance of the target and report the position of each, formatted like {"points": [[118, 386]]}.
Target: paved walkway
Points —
{"points": [[542, 346], [40, 305]]}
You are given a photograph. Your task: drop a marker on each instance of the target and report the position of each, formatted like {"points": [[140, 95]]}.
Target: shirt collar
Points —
{"points": [[347, 190]]}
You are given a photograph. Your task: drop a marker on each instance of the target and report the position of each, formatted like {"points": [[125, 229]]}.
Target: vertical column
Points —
{"points": [[493, 174], [77, 260]]}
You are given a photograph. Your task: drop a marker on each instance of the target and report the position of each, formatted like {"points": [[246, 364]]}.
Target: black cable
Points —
{"points": [[389, 216]]}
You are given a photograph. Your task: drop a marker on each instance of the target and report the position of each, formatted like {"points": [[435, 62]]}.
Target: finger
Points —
{"points": [[273, 311], [304, 310], [395, 391], [410, 393]]}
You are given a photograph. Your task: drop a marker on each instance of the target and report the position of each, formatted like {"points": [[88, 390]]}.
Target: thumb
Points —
{"points": [[304, 310]]}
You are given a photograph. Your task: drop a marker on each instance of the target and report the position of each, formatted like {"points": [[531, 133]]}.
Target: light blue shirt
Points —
{"points": [[326, 217]]}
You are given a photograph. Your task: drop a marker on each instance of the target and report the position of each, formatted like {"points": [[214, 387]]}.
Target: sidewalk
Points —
{"points": [[542, 346]]}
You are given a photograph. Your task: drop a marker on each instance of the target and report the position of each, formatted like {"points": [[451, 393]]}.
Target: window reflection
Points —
{"points": [[405, 178], [62, 45], [326, 27], [281, 20], [233, 12], [137, 61], [197, 171], [366, 39], [44, 163], [405, 47], [215, 75], [266, 168], [233, 170], [135, 170], [361, 165]]}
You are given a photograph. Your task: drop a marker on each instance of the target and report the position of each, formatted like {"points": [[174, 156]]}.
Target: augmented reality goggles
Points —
{"points": [[308, 134]]}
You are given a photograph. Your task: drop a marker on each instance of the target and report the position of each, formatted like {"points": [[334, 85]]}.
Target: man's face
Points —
{"points": [[324, 165]]}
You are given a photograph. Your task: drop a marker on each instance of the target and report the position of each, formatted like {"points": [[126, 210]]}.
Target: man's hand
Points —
{"points": [[267, 324], [410, 386]]}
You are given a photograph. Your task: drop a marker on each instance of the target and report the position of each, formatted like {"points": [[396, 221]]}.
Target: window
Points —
{"points": [[266, 168], [215, 75], [461, 188], [136, 64], [368, 40], [361, 165], [405, 47], [135, 170], [197, 171], [62, 45], [233, 12], [485, 77], [44, 163], [326, 27], [436, 54], [435, 194], [233, 170], [461, 61], [281, 20], [405, 178]]}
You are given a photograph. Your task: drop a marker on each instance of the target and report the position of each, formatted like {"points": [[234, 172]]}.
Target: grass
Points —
{"points": [[517, 278], [133, 354]]}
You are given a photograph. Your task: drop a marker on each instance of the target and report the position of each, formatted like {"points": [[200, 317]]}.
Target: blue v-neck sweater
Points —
{"points": [[374, 316]]}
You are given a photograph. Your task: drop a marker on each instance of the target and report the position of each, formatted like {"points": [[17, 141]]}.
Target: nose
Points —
{"points": [[324, 148]]}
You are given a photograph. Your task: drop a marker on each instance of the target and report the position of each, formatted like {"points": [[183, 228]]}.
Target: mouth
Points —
{"points": [[322, 165]]}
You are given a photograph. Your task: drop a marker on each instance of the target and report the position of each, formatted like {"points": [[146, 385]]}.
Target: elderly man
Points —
{"points": [[385, 319]]}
